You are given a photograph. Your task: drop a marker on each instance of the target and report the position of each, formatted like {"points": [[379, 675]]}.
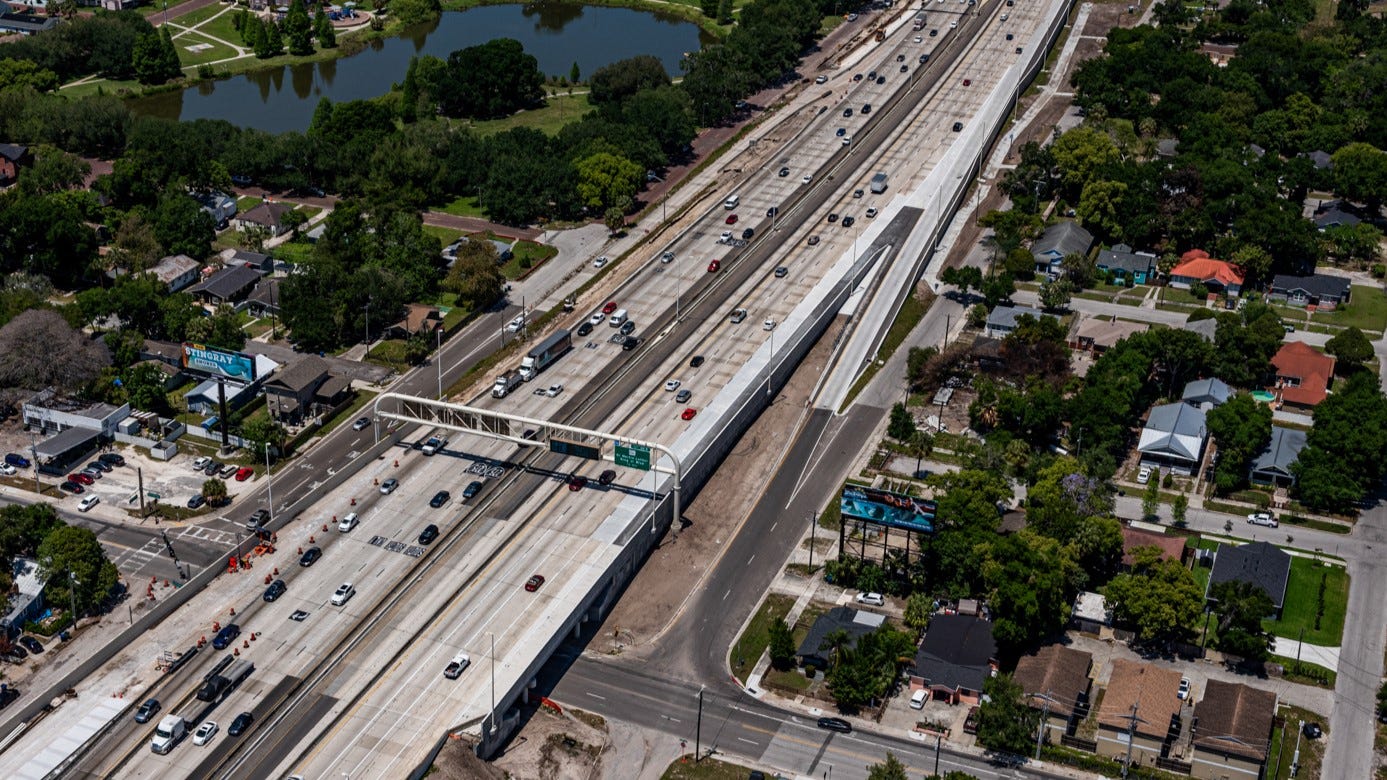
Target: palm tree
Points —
{"points": [[836, 643]]}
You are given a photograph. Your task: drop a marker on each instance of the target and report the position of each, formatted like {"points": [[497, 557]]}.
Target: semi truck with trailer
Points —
{"points": [[545, 354], [506, 383]]}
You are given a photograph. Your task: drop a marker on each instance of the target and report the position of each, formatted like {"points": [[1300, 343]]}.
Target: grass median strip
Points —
{"points": [[757, 636]]}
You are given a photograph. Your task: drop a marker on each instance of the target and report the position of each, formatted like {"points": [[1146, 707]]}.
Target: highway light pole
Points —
{"points": [[438, 358], [72, 593], [269, 483], [493, 678], [698, 730]]}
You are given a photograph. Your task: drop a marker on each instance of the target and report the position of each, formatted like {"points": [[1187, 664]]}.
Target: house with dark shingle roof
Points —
{"points": [[1273, 464], [1125, 264], [229, 285], [290, 392], [264, 297], [1260, 563], [1334, 217], [955, 659], [12, 158], [26, 24], [1321, 159], [1318, 291], [257, 260], [267, 216], [857, 623], [1004, 319], [1056, 681], [1059, 240], [1233, 733]]}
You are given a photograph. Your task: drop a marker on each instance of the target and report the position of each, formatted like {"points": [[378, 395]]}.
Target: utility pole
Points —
{"points": [[1131, 734], [813, 521], [938, 743], [698, 729], [1044, 716]]}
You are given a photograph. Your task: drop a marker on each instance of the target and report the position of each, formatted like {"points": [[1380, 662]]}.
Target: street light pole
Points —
{"points": [[698, 730], [438, 358], [269, 482], [72, 592]]}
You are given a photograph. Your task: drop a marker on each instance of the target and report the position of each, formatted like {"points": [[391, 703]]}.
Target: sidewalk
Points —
{"points": [[1328, 657]]}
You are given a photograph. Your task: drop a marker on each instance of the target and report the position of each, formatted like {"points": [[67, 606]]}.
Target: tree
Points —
{"points": [[782, 646], [1159, 599], [23, 528], [963, 278], [1178, 507], [574, 73], [605, 179], [323, 30], [1351, 347], [491, 80], [918, 608], [29, 344], [1360, 173], [1055, 295], [1342, 459], [475, 277], [1240, 607], [413, 12], [997, 288], [214, 490], [615, 83], [1006, 723], [1028, 577], [836, 643], [1082, 154], [151, 58], [75, 567], [144, 387], [24, 73], [890, 769], [298, 29], [1151, 497], [261, 433], [1242, 429], [977, 315], [725, 12], [182, 226], [53, 171], [409, 92], [902, 425]]}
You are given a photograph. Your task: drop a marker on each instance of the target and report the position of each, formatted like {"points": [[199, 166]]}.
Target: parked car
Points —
{"points": [[229, 470], [244, 473], [1143, 475], [918, 698], [1263, 518], [201, 463], [31, 644], [87, 503], [1184, 691], [874, 599], [81, 479], [99, 465], [196, 501], [72, 487], [8, 470], [112, 459]]}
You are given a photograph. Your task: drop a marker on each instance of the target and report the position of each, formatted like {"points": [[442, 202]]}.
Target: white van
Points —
{"points": [[618, 318], [731, 203]]}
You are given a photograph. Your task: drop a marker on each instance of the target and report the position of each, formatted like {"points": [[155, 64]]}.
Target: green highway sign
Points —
{"points": [[575, 449], [633, 456]]}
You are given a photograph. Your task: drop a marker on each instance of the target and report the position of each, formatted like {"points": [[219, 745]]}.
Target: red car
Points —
{"points": [[244, 473], [533, 583], [689, 413], [967, 82], [714, 266], [81, 479], [731, 219], [576, 483], [609, 308]]}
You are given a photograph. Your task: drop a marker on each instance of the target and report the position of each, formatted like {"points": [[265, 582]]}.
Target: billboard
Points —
{"points": [[886, 508], [230, 365]]}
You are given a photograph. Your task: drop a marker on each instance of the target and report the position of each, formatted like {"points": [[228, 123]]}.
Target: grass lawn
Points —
{"points": [[521, 252], [1283, 745], [913, 310], [557, 111], [247, 202], [753, 642], [1302, 599], [192, 18], [685, 768], [443, 234], [101, 86], [389, 353], [294, 251], [1366, 310], [221, 27], [462, 207], [258, 327]]}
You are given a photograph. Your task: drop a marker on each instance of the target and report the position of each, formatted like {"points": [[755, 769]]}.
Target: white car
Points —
{"points": [[821, 80], [1144, 475], [874, 599], [1263, 518], [599, 261], [457, 666], [672, 385], [343, 594], [8, 470], [554, 390], [87, 503], [768, 325], [918, 39], [596, 318], [205, 732], [952, 25], [871, 212], [726, 236], [1184, 692], [918, 699], [348, 522], [201, 463], [387, 487], [516, 324], [807, 178]]}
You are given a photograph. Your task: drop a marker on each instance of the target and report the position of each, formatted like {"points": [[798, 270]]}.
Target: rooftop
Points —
{"points": [[1261, 563], [1318, 285], [304, 372], [1150, 689], [957, 652], [1107, 331], [1282, 451], [228, 282], [1235, 718], [1006, 316], [1059, 673], [1196, 264], [1211, 391], [1310, 368], [1063, 238], [854, 621], [1172, 547]]}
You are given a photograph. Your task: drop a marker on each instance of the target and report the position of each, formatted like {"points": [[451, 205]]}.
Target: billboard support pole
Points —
{"points": [[221, 409], [842, 532]]}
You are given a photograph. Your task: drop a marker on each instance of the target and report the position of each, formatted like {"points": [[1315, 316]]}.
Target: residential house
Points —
{"points": [[1260, 563], [986, 353], [291, 392], [1206, 393], [1167, 147], [24, 601], [12, 158], [268, 216], [218, 205], [1171, 547], [419, 318], [1004, 319], [1321, 159], [1273, 464], [1056, 681], [1099, 334], [264, 298], [1174, 437], [1334, 216], [260, 262], [1090, 614], [1196, 266], [1059, 240], [956, 657], [1219, 53], [1317, 291], [1302, 375], [1140, 713], [176, 271], [227, 286], [1205, 328], [855, 622], [1124, 264], [1233, 729], [26, 24], [205, 398]]}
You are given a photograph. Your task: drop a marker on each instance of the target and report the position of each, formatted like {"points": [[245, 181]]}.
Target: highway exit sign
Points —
{"points": [[632, 456]]}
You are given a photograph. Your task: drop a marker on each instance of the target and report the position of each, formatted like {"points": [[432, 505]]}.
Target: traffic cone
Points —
{"points": [[397, 463], [217, 626], [375, 481], [236, 651], [166, 583], [353, 500], [276, 572], [300, 549], [253, 636], [202, 640], [245, 643], [267, 579], [310, 539], [233, 612]]}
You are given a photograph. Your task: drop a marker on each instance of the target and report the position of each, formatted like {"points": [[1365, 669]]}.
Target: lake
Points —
{"points": [[557, 34]]}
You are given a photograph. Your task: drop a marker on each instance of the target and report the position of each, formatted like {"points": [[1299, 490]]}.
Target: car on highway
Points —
{"points": [[683, 396], [457, 666], [275, 590], [87, 502], [848, 221], [147, 711], [857, 77], [952, 25], [387, 487], [958, 126], [596, 318], [630, 343], [806, 178], [731, 219], [439, 499], [429, 533], [585, 328], [667, 257], [847, 141], [18, 461], [688, 414], [924, 58], [871, 212], [608, 476], [772, 211], [866, 108], [473, 488], [361, 424], [696, 361], [835, 724], [226, 636], [832, 217], [609, 307], [847, 112], [30, 643], [905, 68], [534, 582], [310, 556], [858, 193], [747, 233], [673, 384], [967, 82], [783, 172], [821, 80], [714, 266], [348, 522], [768, 325], [1263, 518], [81, 479], [205, 732], [196, 501], [553, 390], [244, 473], [881, 79], [343, 594], [240, 724], [577, 482], [72, 487], [813, 241], [627, 328], [781, 271], [597, 262]]}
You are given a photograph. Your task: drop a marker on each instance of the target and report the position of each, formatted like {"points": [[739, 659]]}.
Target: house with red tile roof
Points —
{"points": [[1217, 275], [1302, 374]]}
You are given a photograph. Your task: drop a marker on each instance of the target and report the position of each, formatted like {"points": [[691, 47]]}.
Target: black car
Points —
{"points": [[212, 468], [18, 653], [99, 466], [772, 211], [147, 711], [240, 724], [1312, 730], [832, 217], [260, 516], [112, 459], [835, 724], [585, 328], [748, 233], [439, 499], [72, 487], [226, 636], [696, 361], [310, 556], [847, 112], [472, 489], [627, 328], [630, 343], [847, 221], [196, 501], [606, 477], [275, 590], [31, 643], [866, 108], [881, 79], [784, 172], [429, 534]]}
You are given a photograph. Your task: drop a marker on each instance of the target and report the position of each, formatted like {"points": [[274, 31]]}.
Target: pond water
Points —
{"points": [[557, 34]]}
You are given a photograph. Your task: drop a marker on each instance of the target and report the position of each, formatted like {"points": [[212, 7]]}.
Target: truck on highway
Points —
{"points": [[545, 354], [506, 383], [879, 183], [168, 733], [223, 678]]}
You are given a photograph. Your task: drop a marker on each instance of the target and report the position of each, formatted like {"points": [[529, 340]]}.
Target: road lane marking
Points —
{"points": [[749, 742], [596, 696]]}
